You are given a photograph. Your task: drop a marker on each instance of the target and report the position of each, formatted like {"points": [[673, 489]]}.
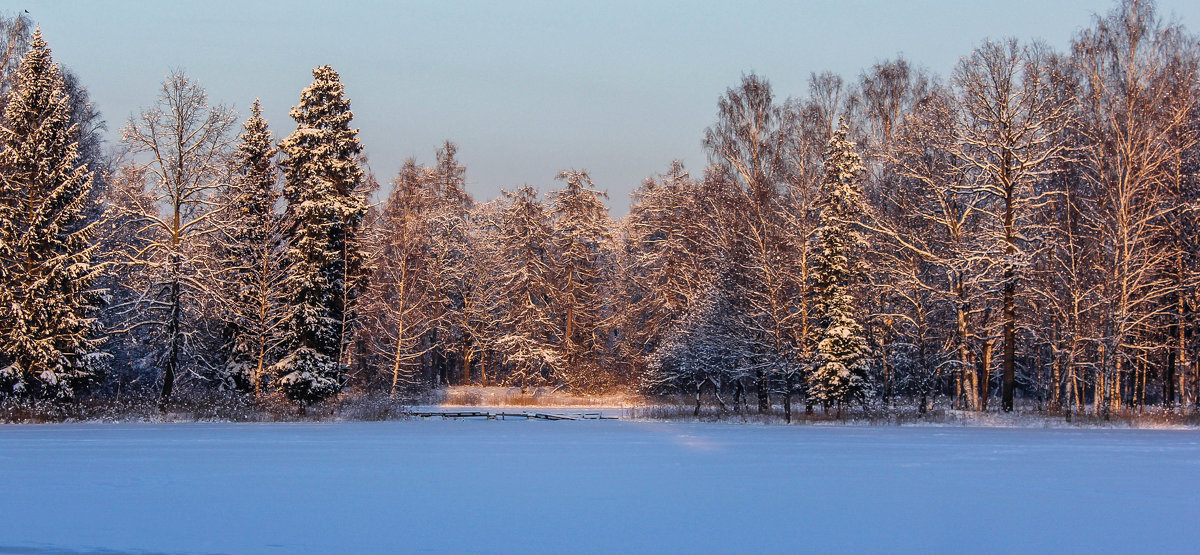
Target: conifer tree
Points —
{"points": [[47, 336], [251, 245], [581, 238], [449, 275], [326, 208], [401, 295], [526, 287], [841, 370]]}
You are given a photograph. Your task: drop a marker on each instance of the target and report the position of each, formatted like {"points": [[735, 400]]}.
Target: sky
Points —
{"points": [[525, 88]]}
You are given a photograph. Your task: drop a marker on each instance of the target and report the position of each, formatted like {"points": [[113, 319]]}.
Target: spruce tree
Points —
{"points": [[250, 245], [526, 282], [840, 374], [325, 207], [47, 336], [581, 238]]}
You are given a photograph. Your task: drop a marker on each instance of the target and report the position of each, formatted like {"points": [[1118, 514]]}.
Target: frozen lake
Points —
{"points": [[594, 486]]}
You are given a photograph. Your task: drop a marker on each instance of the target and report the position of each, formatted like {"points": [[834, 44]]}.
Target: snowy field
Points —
{"points": [[593, 486]]}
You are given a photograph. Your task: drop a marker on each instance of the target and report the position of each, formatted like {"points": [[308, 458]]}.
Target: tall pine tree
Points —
{"points": [[841, 369], [251, 245], [581, 238], [526, 282], [47, 339], [323, 188]]}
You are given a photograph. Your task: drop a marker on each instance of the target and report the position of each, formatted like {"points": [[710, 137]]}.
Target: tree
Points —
{"points": [[530, 332], [746, 143], [483, 298], [841, 371], [451, 278], [179, 148], [48, 339], [1007, 133], [401, 294], [1137, 100], [250, 248], [931, 265], [664, 262], [325, 207], [704, 347], [903, 313], [15, 35], [581, 237]]}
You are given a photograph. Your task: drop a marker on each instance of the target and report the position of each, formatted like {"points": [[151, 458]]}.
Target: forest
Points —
{"points": [[1021, 234]]}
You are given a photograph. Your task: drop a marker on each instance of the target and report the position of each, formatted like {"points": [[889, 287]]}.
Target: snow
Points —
{"points": [[594, 486]]}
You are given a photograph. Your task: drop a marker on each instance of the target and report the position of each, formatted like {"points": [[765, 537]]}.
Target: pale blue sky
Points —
{"points": [[525, 88]]}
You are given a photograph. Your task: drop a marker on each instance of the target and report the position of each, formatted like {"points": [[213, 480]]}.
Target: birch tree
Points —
{"points": [[1137, 98], [746, 142]]}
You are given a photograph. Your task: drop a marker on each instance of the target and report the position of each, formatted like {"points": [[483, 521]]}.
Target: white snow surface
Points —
{"points": [[476, 486]]}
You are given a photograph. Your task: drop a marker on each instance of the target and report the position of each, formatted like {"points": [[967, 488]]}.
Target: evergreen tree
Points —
{"points": [[841, 370], [530, 334], [581, 238], [47, 309], [449, 275], [251, 244], [326, 208]]}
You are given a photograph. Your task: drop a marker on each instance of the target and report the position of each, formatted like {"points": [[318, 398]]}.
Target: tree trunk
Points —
{"points": [[1056, 384], [970, 375], [764, 394], [173, 340], [787, 399], [985, 367], [1010, 287], [1010, 347]]}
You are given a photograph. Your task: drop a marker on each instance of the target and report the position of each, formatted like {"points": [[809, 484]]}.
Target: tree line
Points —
{"points": [[1025, 229]]}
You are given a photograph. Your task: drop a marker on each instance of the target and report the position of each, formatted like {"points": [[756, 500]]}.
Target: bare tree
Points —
{"points": [[178, 150], [1007, 133], [746, 141], [399, 300], [1137, 99]]}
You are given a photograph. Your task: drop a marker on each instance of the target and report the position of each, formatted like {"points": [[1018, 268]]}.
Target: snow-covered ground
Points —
{"points": [[594, 486]]}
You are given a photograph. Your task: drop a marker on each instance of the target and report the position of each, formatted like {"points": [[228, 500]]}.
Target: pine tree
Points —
{"points": [[449, 275], [326, 210], [47, 326], [841, 371], [251, 245], [581, 238], [528, 340]]}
